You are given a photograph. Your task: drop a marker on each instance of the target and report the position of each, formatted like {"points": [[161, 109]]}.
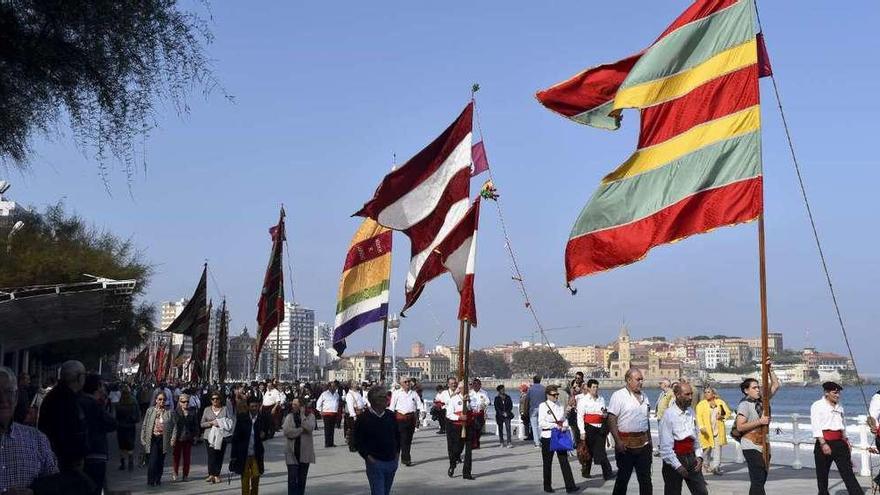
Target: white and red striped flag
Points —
{"points": [[426, 198], [458, 253]]}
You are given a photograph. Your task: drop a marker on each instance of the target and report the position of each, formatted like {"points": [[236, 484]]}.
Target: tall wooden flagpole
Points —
{"points": [[384, 345], [278, 349], [765, 351]]}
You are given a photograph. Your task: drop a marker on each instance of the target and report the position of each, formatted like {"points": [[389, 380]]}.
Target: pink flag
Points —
{"points": [[478, 154]]}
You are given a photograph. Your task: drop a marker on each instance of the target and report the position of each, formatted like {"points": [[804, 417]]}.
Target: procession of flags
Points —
{"points": [[697, 167]]}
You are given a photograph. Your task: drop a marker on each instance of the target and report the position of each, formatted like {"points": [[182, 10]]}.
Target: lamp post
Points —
{"points": [[322, 344], [393, 325]]}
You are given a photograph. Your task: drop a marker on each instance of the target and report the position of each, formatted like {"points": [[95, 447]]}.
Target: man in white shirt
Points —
{"points": [[328, 406], [457, 417], [628, 423], [829, 430], [591, 419], [354, 406], [440, 401], [680, 446], [405, 404], [273, 399], [480, 400], [874, 413]]}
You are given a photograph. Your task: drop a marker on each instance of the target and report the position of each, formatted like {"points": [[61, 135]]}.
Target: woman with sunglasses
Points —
{"points": [[219, 421], [552, 416], [187, 429]]}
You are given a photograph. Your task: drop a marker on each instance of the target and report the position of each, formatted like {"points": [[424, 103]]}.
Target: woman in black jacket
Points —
{"points": [[503, 415], [187, 423]]}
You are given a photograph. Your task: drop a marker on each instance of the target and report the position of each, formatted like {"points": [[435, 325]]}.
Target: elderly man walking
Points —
{"points": [[26, 454], [628, 423], [680, 446], [377, 438]]}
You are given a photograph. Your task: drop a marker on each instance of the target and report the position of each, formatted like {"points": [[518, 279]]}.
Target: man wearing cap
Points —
{"points": [[829, 430], [480, 400], [628, 423], [680, 446]]}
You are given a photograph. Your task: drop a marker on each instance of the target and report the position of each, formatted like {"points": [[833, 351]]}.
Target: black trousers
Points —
{"points": [[527, 425], [757, 471], [840, 455], [441, 420], [157, 460], [638, 460], [348, 429], [672, 479], [97, 472], [406, 428], [478, 424], [877, 442], [573, 424], [503, 427], [547, 463], [296, 478], [215, 459], [596, 445], [455, 445], [329, 430]]}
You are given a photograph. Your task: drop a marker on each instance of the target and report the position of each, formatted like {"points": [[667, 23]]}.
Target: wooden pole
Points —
{"points": [[384, 345], [278, 348], [465, 363], [461, 376], [765, 351]]}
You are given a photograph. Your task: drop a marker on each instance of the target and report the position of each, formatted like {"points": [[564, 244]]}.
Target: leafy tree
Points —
{"points": [[58, 248], [100, 66], [539, 360], [484, 364]]}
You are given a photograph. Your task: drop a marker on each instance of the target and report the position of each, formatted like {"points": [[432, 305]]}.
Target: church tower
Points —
{"points": [[624, 350]]}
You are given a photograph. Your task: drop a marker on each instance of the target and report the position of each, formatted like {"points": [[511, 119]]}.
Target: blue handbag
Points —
{"points": [[560, 441]]}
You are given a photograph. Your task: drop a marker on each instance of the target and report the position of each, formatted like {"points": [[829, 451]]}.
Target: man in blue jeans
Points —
{"points": [[536, 397], [378, 441]]}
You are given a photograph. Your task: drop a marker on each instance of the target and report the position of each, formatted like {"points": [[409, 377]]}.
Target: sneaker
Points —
{"points": [[510, 446]]}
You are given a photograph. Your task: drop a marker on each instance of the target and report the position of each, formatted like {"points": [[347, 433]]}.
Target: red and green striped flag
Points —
{"points": [[698, 162]]}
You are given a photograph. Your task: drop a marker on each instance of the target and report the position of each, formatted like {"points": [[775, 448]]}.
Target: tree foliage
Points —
{"points": [[101, 65], [484, 364], [539, 360], [56, 247]]}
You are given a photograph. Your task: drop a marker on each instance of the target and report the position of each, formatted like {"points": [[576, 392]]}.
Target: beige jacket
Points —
{"points": [[304, 433]]}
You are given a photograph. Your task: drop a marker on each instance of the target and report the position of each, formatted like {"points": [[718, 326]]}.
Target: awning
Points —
{"points": [[32, 316]]}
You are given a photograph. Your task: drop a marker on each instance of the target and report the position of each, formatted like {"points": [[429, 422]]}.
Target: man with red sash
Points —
{"points": [[480, 400], [680, 445], [458, 418], [829, 430], [591, 417], [405, 404], [328, 406]]}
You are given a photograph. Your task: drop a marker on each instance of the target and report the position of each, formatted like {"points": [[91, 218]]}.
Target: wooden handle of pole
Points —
{"points": [[765, 348]]}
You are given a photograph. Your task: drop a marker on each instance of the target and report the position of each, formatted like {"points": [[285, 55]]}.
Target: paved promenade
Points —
{"points": [[497, 471]]}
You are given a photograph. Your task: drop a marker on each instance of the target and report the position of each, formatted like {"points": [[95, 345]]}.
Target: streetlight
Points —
{"points": [[15, 228], [322, 344], [393, 325]]}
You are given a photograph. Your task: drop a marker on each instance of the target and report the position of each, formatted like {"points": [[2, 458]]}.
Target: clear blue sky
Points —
{"points": [[326, 92]]}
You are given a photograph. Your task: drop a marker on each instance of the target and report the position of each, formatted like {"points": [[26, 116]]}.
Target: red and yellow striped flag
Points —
{"points": [[698, 162]]}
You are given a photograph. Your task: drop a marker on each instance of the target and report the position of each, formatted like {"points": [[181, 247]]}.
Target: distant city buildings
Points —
{"points": [[240, 358], [294, 341]]}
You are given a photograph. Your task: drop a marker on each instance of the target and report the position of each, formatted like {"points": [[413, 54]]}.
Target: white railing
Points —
{"points": [[791, 431]]}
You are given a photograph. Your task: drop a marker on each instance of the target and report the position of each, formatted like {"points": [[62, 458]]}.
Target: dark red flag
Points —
{"points": [[270, 312], [764, 68]]}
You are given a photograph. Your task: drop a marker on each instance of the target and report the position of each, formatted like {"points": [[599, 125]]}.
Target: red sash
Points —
{"points": [[592, 418], [328, 415], [684, 447], [830, 435], [403, 418]]}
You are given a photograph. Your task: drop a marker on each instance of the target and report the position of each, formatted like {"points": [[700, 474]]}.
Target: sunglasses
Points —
{"points": [[215, 398], [183, 401], [553, 395]]}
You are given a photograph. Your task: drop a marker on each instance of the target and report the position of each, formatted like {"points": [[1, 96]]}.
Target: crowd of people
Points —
{"points": [[55, 437]]}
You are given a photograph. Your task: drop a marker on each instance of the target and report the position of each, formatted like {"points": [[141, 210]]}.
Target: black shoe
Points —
{"points": [[468, 477], [572, 489], [548, 489], [451, 471], [407, 463], [441, 432], [586, 473], [122, 466], [610, 476]]}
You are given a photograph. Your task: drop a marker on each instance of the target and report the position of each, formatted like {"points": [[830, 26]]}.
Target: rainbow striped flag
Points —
{"points": [[363, 289], [698, 162]]}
